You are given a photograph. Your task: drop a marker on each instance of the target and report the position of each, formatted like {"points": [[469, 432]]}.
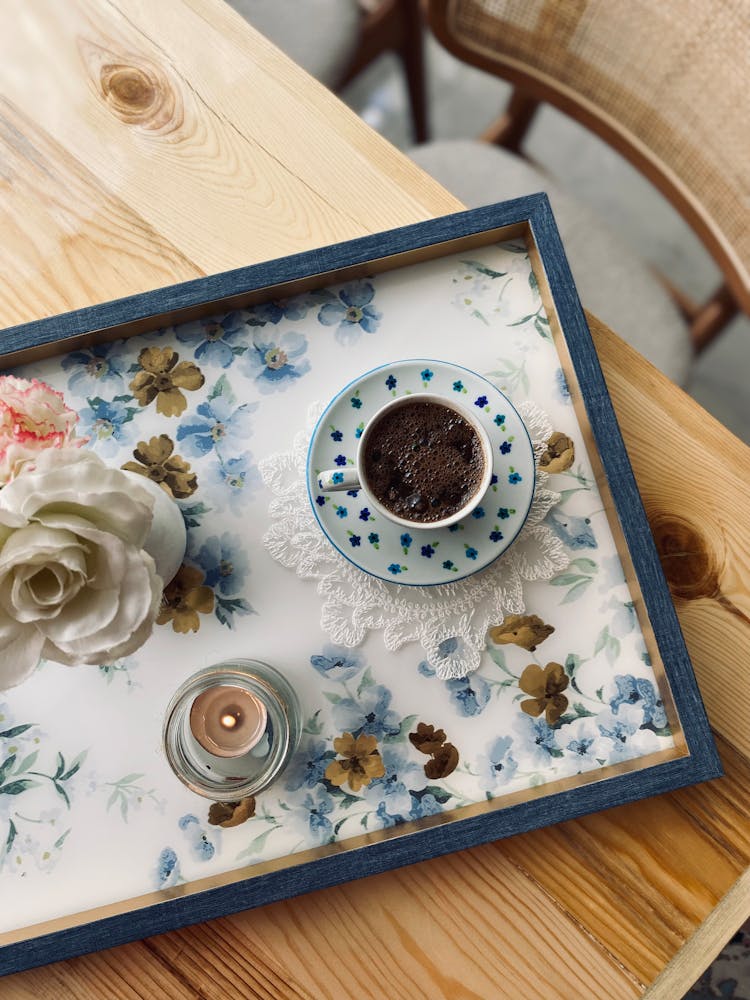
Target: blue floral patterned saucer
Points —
{"points": [[421, 556]]}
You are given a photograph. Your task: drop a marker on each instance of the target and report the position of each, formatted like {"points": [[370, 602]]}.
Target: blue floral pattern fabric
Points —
{"points": [[563, 689]]}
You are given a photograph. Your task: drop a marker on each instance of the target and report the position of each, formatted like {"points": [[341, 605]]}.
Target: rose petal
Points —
{"points": [[20, 649], [78, 482], [136, 605]]}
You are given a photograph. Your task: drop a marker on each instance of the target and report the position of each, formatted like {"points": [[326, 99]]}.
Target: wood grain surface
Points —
{"points": [[143, 143]]}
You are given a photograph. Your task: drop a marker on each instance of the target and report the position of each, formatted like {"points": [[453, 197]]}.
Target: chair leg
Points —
{"points": [[509, 130], [711, 318], [396, 26], [412, 58]]}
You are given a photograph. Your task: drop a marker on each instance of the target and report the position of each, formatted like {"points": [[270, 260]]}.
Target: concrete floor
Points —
{"points": [[464, 100]]}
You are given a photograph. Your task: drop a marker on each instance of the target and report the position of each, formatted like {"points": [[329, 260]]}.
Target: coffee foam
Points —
{"points": [[423, 461]]}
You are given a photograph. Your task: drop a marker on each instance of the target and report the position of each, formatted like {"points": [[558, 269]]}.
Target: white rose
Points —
{"points": [[76, 585]]}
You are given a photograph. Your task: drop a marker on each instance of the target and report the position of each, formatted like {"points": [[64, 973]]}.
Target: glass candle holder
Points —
{"points": [[230, 729]]}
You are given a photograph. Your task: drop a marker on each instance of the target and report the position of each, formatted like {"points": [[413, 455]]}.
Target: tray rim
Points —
{"points": [[531, 217]]}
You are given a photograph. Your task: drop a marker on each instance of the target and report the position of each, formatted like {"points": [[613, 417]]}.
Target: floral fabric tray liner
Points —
{"points": [[90, 813]]}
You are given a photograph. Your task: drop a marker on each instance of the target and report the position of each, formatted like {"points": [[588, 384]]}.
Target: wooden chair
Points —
{"points": [[666, 84]]}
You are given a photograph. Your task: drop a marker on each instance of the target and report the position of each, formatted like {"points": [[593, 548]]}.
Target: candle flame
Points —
{"points": [[228, 721]]}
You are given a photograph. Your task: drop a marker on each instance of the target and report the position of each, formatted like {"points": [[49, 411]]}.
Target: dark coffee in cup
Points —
{"points": [[423, 461]]}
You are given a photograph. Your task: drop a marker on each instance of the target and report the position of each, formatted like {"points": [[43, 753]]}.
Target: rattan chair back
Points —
{"points": [[666, 83]]}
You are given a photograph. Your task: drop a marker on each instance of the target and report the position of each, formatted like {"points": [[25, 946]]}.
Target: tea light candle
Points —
{"points": [[228, 721], [231, 728]]}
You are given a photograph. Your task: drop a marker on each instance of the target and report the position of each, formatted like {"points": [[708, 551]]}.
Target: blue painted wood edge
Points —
{"points": [[324, 872], [703, 762], [625, 493], [257, 276]]}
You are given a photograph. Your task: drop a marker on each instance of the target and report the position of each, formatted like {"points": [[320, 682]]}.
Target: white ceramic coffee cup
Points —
{"points": [[354, 477]]}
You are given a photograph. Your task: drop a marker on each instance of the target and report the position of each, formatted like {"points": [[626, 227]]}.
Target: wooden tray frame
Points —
{"points": [[697, 759]]}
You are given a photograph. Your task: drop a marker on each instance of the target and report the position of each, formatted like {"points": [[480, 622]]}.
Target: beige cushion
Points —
{"points": [[612, 281], [319, 35]]}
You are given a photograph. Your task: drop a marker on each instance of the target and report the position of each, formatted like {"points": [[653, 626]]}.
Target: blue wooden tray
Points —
{"points": [[692, 756]]}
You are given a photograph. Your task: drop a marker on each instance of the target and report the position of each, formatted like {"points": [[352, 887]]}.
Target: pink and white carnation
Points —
{"points": [[33, 418]]}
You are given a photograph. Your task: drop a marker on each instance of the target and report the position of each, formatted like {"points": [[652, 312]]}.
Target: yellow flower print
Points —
{"points": [[527, 631], [157, 462], [545, 687], [184, 598], [362, 761], [559, 454], [162, 379]]}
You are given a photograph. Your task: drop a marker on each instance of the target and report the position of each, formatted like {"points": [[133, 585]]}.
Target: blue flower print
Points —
{"points": [[562, 386], [426, 375], [201, 846], [394, 787], [221, 426], [238, 479], [406, 541], [503, 513], [292, 309], [639, 691], [478, 512], [497, 767], [105, 423], [619, 729], [313, 815], [458, 386], [471, 552], [356, 402], [449, 564], [480, 401], [96, 368], [537, 743], [355, 540], [496, 535], [224, 562], [499, 419], [427, 551], [341, 511], [353, 313], [391, 382], [425, 669], [352, 493], [167, 869], [337, 663], [337, 477], [424, 804], [582, 744], [469, 695], [505, 448], [370, 714], [394, 568], [374, 539], [575, 532], [217, 341], [340, 460], [320, 501], [308, 766], [225, 565], [336, 435], [359, 431], [493, 480], [515, 477], [275, 361], [364, 514]]}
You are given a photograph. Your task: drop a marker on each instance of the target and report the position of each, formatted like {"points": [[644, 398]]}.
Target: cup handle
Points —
{"points": [[332, 480]]}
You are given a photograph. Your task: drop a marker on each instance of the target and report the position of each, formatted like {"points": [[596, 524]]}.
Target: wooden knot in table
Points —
{"points": [[693, 560], [136, 90]]}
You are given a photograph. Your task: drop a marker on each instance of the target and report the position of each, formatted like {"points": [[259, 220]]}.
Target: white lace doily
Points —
{"points": [[449, 621]]}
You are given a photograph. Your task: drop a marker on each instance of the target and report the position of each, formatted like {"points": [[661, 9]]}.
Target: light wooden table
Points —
{"points": [[145, 142]]}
